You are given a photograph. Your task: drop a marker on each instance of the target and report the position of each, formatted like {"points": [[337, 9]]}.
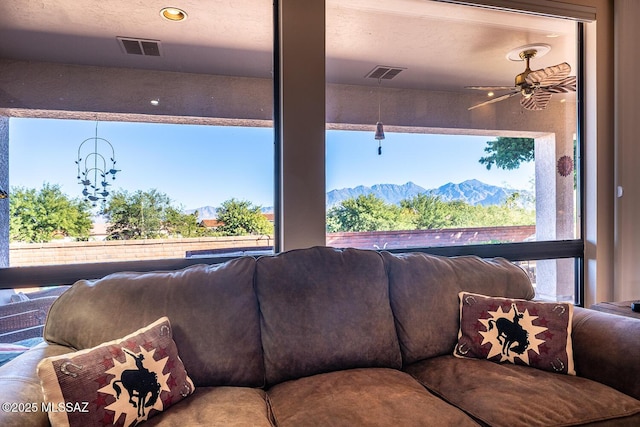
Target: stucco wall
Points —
{"points": [[4, 184], [627, 200]]}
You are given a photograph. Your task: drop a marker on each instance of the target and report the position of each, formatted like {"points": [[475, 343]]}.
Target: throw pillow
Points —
{"points": [[121, 382], [524, 332]]}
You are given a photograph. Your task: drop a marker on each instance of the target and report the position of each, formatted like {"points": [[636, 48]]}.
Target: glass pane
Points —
{"points": [[429, 190], [553, 279], [439, 132], [22, 317], [174, 191], [154, 145]]}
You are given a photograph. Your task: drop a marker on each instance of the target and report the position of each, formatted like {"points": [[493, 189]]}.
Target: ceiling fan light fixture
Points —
{"points": [[535, 86], [518, 54], [173, 14]]}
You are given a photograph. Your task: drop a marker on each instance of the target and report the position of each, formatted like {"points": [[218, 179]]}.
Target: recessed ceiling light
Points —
{"points": [[155, 102], [173, 14], [490, 94]]}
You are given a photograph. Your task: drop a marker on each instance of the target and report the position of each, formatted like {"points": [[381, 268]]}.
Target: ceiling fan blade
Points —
{"points": [[548, 76], [536, 102], [490, 87], [499, 98], [565, 86]]}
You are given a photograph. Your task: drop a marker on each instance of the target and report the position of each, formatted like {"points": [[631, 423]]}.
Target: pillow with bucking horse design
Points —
{"points": [[122, 382], [537, 334]]}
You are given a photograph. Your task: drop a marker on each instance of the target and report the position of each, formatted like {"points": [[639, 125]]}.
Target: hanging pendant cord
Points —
{"points": [[379, 98], [379, 103]]}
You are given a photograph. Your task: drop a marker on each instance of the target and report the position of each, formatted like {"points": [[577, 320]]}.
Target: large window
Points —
{"points": [[404, 63], [433, 189], [152, 140], [130, 141], [171, 191], [455, 127]]}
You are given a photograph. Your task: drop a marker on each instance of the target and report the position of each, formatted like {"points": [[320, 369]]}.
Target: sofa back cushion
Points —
{"points": [[424, 296], [324, 309], [213, 311]]}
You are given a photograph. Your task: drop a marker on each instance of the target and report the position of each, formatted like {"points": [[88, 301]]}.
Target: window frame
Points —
{"points": [[549, 249], [22, 277]]}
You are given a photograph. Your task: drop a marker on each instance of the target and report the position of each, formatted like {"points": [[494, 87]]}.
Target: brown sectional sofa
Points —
{"points": [[319, 337]]}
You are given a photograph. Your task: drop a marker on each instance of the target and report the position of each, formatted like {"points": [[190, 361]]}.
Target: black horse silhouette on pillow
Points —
{"points": [[510, 332], [139, 384]]}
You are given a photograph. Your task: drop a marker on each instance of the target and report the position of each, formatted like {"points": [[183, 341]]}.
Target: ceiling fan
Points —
{"points": [[536, 86]]}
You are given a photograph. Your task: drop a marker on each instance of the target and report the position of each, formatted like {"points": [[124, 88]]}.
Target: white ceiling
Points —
{"points": [[442, 46]]}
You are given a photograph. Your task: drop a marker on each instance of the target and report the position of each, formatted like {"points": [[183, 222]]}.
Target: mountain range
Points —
{"points": [[470, 191]]}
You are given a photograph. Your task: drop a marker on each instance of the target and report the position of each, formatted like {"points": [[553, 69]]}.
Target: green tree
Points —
{"points": [[509, 213], [38, 216], [141, 215], [179, 224], [428, 211], [240, 217], [367, 213], [508, 153]]}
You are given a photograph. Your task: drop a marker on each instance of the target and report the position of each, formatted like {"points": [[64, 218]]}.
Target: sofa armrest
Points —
{"points": [[606, 349], [19, 384]]}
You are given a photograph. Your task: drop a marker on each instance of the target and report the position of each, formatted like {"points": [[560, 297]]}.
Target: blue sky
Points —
{"points": [[206, 165], [427, 160]]}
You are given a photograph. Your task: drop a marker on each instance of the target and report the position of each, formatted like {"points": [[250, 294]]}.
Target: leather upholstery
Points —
{"points": [[604, 345], [424, 296], [350, 337], [212, 308], [218, 406], [508, 395], [323, 310], [19, 384], [361, 397]]}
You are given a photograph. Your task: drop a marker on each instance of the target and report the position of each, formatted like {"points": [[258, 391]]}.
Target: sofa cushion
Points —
{"points": [[361, 397], [324, 309], [424, 296], [523, 332], [606, 350], [509, 395], [218, 406], [127, 380], [213, 311], [19, 383]]}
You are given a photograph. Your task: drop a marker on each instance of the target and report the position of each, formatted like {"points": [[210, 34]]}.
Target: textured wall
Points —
{"points": [[627, 201], [4, 184]]}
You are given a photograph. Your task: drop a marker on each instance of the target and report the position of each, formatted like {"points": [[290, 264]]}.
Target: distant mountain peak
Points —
{"points": [[472, 191]]}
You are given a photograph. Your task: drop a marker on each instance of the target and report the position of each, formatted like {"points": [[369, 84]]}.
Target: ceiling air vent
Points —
{"points": [[384, 72], [132, 46]]}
